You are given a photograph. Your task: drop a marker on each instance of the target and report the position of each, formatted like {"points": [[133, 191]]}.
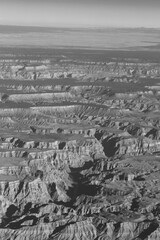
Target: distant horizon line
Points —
{"points": [[80, 27]]}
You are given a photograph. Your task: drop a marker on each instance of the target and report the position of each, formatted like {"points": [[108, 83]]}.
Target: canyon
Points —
{"points": [[79, 144]]}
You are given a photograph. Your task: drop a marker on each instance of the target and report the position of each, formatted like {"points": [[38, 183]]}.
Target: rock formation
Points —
{"points": [[79, 148]]}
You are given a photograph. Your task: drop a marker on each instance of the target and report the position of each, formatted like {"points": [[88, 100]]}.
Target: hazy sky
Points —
{"points": [[77, 13]]}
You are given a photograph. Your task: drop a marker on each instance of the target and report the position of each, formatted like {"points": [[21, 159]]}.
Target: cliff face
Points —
{"points": [[79, 149]]}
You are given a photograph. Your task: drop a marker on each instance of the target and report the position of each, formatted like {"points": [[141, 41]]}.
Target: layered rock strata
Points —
{"points": [[79, 149]]}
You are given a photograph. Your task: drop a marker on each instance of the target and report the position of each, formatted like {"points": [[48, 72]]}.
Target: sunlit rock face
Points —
{"points": [[79, 146]]}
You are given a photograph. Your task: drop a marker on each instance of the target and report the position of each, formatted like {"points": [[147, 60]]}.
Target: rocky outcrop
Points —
{"points": [[79, 148]]}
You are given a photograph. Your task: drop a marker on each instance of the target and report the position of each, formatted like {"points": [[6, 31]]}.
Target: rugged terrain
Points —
{"points": [[79, 145]]}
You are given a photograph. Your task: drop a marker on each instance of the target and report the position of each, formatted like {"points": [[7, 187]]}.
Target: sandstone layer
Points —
{"points": [[79, 147]]}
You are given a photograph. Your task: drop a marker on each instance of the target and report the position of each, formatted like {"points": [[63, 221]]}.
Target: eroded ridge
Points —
{"points": [[79, 147]]}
